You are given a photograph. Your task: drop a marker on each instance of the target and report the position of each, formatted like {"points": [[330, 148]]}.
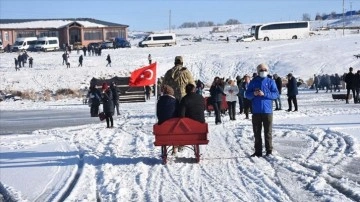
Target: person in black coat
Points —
{"points": [[16, 64], [349, 80], [109, 60], [278, 82], [115, 97], [80, 61], [108, 104], [64, 57], [192, 105], [167, 105], [147, 92], [20, 60], [316, 83], [94, 96], [216, 97], [357, 86], [31, 62], [292, 91], [337, 81], [84, 50]]}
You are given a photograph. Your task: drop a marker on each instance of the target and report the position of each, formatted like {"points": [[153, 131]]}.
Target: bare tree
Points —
{"points": [[232, 22], [306, 17], [318, 16]]}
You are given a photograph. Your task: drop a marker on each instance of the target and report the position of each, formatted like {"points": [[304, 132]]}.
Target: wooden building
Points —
{"points": [[69, 30]]}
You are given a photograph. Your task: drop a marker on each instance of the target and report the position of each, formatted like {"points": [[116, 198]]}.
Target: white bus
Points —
{"points": [[167, 39], [281, 30]]}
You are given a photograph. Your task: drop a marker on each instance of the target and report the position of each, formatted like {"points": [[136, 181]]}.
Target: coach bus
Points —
{"points": [[281, 30]]}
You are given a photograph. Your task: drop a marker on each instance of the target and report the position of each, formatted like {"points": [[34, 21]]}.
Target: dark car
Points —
{"points": [[122, 43], [107, 44], [95, 45]]}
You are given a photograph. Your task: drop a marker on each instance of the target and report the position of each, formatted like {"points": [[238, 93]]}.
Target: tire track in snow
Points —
{"points": [[242, 174], [325, 142]]}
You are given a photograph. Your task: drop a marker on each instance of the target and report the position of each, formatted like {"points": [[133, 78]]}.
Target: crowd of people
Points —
{"points": [[350, 80], [182, 96], [22, 59]]}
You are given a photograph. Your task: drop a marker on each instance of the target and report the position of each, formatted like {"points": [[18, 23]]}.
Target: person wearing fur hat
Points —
{"points": [[231, 90], [167, 105], [108, 104], [262, 91], [178, 77]]}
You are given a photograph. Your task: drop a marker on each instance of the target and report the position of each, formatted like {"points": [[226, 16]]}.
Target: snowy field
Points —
{"points": [[316, 150]]}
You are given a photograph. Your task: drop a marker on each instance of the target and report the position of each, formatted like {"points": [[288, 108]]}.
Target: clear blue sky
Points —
{"points": [[151, 15]]}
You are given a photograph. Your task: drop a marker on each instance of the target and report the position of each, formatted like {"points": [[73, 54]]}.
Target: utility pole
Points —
{"points": [[169, 20], [343, 17]]}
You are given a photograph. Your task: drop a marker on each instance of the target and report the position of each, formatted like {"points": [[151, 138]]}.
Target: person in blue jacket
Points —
{"points": [[262, 91]]}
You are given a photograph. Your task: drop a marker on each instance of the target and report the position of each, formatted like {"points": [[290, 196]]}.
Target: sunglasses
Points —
{"points": [[263, 70]]}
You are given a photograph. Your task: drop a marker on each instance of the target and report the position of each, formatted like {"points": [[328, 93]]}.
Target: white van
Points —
{"points": [[167, 39], [47, 43], [25, 43]]}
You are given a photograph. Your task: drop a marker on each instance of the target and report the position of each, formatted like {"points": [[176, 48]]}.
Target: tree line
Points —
{"points": [[305, 17], [326, 16], [208, 23]]}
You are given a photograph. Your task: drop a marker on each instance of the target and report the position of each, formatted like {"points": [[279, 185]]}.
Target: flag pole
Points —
{"points": [[156, 93]]}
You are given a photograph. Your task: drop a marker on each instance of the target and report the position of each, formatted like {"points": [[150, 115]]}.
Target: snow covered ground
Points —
{"points": [[316, 155]]}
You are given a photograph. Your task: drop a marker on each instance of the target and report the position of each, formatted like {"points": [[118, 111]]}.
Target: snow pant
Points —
{"points": [[258, 121], [316, 87], [94, 110], [357, 97], [247, 107], [348, 94], [217, 108], [116, 105], [232, 109], [147, 96], [241, 104], [109, 119], [292, 99], [278, 103]]}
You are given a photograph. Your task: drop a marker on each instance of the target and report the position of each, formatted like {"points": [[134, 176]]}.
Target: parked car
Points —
{"points": [[122, 43], [246, 38], [107, 44]]}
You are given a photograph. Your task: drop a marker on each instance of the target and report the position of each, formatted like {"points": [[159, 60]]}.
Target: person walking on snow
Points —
{"points": [[16, 65], [80, 61], [149, 58], [108, 59], [30, 62]]}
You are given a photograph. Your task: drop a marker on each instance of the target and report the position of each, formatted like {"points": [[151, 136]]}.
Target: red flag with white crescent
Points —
{"points": [[144, 76]]}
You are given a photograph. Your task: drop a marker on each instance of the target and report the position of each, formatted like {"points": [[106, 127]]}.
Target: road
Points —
{"points": [[27, 121]]}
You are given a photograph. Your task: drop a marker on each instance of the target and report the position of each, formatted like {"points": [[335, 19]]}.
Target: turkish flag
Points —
{"points": [[144, 76]]}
